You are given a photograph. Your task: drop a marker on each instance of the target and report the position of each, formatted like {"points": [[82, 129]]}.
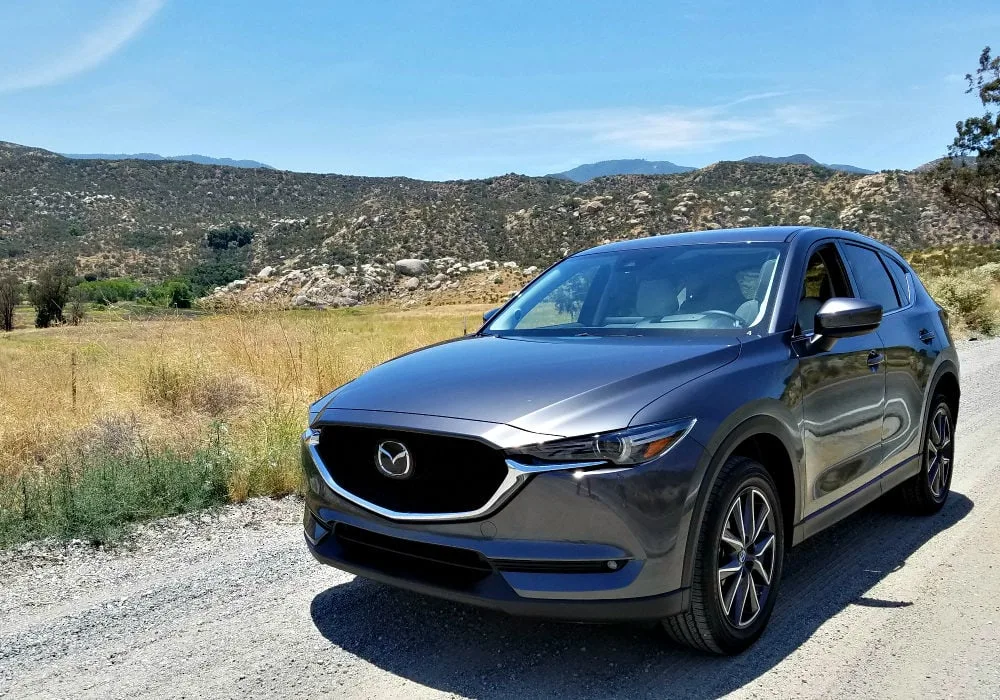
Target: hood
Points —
{"points": [[555, 386]]}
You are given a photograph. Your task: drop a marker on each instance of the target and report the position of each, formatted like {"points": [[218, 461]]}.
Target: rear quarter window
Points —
{"points": [[901, 276]]}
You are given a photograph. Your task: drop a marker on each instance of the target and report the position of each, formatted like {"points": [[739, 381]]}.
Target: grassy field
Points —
{"points": [[119, 420]]}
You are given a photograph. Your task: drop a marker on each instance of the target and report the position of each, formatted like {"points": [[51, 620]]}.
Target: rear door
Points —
{"points": [[909, 351], [843, 391]]}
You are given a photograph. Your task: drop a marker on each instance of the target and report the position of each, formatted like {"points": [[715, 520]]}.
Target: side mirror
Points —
{"points": [[493, 312], [845, 317]]}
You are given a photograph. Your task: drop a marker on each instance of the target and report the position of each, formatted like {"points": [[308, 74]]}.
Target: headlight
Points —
{"points": [[622, 447]]}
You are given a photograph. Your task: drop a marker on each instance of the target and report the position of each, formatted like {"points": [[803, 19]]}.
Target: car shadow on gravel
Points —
{"points": [[467, 651]]}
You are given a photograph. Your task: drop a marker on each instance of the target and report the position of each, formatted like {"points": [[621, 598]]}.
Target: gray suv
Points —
{"points": [[643, 431]]}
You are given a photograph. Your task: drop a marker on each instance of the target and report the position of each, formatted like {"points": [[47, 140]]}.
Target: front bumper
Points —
{"points": [[602, 547]]}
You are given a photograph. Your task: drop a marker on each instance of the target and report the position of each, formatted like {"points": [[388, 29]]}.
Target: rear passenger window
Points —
{"points": [[871, 276], [900, 275]]}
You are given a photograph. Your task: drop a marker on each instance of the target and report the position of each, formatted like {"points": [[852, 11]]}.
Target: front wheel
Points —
{"points": [[926, 492], [737, 564]]}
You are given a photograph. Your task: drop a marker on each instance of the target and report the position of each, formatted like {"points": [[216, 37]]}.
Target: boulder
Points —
{"points": [[412, 267], [411, 284], [265, 273], [339, 270]]}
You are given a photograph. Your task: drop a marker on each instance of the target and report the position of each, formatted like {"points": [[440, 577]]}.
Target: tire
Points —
{"points": [[926, 492], [714, 621]]}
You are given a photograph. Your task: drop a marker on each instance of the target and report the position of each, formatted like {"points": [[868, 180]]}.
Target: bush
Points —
{"points": [[111, 291], [177, 294], [206, 276], [77, 308], [94, 495], [233, 236], [967, 299]]}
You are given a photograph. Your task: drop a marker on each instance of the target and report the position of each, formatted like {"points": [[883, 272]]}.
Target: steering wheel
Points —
{"points": [[737, 321]]}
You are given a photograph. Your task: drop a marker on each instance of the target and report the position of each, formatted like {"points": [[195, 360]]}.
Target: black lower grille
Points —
{"points": [[449, 474], [584, 566], [396, 556]]}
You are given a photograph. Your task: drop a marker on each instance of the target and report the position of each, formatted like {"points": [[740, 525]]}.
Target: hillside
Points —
{"points": [[193, 158], [150, 218]]}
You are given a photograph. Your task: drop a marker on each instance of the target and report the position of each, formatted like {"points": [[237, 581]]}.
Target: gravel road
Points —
{"points": [[229, 604]]}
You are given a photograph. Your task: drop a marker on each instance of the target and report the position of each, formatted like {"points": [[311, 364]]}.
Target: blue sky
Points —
{"points": [[450, 89]]}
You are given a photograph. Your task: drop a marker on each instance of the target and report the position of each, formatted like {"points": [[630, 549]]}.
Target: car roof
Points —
{"points": [[750, 234]]}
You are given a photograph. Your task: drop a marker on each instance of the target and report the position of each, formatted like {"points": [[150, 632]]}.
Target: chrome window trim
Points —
{"points": [[517, 475]]}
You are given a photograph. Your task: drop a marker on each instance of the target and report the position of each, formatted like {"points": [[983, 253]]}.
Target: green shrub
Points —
{"points": [[94, 496], [967, 299], [111, 291], [177, 294]]}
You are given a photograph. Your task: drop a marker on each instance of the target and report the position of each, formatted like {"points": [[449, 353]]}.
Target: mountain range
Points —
{"points": [[605, 168], [151, 219], [192, 158]]}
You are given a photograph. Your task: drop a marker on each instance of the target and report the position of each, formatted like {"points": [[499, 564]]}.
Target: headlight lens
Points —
{"points": [[622, 447]]}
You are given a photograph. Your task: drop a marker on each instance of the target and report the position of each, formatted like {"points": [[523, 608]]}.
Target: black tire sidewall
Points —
{"points": [[925, 487]]}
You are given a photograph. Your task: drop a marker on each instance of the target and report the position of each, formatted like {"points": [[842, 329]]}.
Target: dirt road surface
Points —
{"points": [[229, 604]]}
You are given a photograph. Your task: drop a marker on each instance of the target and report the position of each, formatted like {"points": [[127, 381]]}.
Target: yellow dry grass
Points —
{"points": [[246, 376]]}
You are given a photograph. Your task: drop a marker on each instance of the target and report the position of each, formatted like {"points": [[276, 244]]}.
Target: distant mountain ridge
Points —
{"points": [[191, 158], [635, 166], [641, 166], [803, 159]]}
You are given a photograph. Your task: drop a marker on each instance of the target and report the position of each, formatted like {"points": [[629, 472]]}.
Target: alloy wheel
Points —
{"points": [[940, 452], [746, 557]]}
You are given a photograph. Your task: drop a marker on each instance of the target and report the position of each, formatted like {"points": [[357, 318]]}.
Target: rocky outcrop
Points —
{"points": [[336, 286]]}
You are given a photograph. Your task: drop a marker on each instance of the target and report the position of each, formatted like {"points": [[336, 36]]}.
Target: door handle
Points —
{"points": [[927, 336], [875, 358]]}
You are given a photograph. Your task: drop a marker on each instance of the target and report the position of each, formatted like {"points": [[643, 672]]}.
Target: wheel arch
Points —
{"points": [[764, 438], [946, 382]]}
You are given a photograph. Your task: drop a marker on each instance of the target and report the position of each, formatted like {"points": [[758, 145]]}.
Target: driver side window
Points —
{"points": [[825, 278]]}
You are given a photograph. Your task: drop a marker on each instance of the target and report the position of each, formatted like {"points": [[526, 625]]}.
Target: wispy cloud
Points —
{"points": [[89, 50], [660, 129]]}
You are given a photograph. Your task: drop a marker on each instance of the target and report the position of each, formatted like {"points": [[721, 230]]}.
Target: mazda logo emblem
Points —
{"points": [[393, 460]]}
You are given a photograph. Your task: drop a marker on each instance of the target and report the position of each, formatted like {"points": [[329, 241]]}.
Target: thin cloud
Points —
{"points": [[90, 50], [667, 128]]}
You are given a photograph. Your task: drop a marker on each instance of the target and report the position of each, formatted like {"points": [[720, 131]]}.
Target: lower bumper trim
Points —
{"points": [[493, 593]]}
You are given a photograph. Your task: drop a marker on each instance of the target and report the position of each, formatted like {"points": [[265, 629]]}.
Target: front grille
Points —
{"points": [[449, 474], [451, 566]]}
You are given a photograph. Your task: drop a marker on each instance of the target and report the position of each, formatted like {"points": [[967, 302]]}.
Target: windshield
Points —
{"points": [[635, 292]]}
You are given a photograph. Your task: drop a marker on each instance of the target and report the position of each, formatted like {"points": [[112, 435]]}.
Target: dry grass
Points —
{"points": [[239, 383]]}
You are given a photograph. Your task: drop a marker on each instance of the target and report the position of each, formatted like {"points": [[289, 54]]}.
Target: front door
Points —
{"points": [[843, 392]]}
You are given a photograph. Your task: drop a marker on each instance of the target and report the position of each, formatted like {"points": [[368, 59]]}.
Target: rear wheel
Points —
{"points": [[927, 491], [737, 563]]}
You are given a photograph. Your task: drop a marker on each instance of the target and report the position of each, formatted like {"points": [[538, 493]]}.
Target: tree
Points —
{"points": [[10, 294], [971, 176], [77, 306], [50, 292]]}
